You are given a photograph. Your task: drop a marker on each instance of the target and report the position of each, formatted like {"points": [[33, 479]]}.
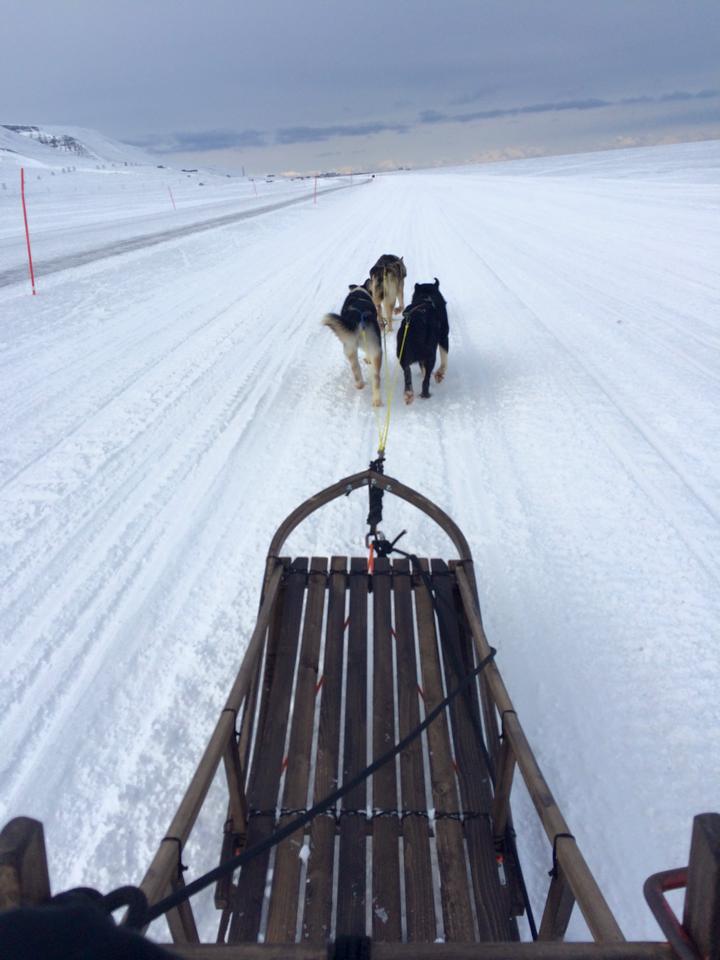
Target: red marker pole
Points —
{"points": [[315, 192], [27, 229], [172, 198]]}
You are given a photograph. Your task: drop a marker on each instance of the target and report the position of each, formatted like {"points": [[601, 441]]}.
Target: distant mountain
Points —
{"points": [[57, 146], [62, 142]]}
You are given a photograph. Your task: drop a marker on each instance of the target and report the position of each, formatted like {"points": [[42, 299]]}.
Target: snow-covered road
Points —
{"points": [[163, 410], [91, 238]]}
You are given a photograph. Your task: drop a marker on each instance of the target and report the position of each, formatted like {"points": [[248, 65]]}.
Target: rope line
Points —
{"points": [[391, 386], [384, 428], [376, 412]]}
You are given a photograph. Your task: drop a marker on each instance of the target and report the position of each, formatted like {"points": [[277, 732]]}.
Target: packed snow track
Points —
{"points": [[163, 409]]}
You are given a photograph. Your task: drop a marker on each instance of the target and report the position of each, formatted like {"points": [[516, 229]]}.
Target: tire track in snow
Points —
{"points": [[126, 565], [112, 353], [516, 546], [189, 385], [595, 260], [159, 362], [706, 559]]}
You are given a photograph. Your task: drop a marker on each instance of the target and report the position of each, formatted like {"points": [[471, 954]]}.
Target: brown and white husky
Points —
{"points": [[387, 287], [357, 326]]}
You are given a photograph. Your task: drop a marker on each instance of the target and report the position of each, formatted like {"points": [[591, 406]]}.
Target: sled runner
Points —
{"points": [[389, 853]]}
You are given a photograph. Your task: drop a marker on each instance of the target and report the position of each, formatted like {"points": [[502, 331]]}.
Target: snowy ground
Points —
{"points": [[164, 409], [83, 208]]}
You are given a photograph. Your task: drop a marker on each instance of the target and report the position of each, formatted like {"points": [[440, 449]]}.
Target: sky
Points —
{"points": [[282, 86]]}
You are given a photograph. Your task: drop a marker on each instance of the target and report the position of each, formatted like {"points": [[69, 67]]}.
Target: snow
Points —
{"points": [[87, 205], [163, 409]]}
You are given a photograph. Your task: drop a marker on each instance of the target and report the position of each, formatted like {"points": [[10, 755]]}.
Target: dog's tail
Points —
{"points": [[338, 327]]}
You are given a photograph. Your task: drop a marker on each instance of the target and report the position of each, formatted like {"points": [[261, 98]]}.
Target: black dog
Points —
{"points": [[423, 330], [357, 326]]}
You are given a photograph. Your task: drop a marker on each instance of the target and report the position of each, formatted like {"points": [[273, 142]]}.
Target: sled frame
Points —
{"points": [[506, 743]]}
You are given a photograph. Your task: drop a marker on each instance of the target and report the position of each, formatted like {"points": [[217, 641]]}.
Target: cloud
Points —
{"points": [[209, 140], [196, 142], [652, 140], [589, 103], [434, 116], [508, 153], [289, 135], [679, 96], [475, 95]]}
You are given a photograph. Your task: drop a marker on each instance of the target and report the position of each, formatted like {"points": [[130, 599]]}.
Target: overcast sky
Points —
{"points": [[281, 85]]}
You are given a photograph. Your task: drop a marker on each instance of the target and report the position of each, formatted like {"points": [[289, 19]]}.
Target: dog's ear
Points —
{"points": [[437, 283], [351, 286], [417, 286]]}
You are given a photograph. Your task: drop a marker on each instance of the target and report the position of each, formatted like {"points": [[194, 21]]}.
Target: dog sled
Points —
{"points": [[369, 747]]}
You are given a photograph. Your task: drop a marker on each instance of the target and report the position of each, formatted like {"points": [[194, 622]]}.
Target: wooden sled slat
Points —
{"points": [[268, 759], [282, 916], [456, 904], [419, 899], [351, 869], [386, 906], [317, 917], [491, 899]]}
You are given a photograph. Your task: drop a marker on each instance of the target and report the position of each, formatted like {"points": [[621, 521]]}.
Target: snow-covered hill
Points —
{"points": [[164, 409], [54, 146]]}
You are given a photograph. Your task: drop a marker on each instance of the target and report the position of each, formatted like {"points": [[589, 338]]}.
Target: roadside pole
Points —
{"points": [[27, 229]]}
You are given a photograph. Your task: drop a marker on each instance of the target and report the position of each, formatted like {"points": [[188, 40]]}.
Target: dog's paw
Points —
{"points": [[439, 376], [425, 395], [398, 310], [409, 397], [359, 386], [377, 402]]}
